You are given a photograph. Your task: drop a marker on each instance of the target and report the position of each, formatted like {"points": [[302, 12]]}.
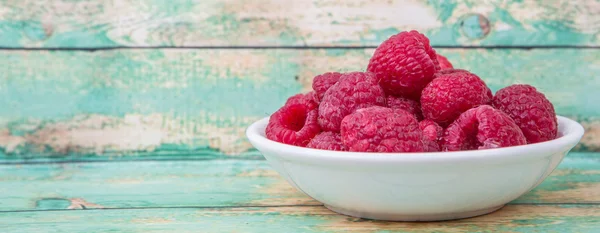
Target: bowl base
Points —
{"points": [[413, 218]]}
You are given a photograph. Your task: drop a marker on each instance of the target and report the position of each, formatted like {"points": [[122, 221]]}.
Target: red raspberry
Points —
{"points": [[530, 109], [404, 63], [482, 127], [432, 134], [322, 83], [379, 129], [411, 106], [294, 124], [327, 141], [451, 93], [309, 99], [444, 63], [353, 91]]}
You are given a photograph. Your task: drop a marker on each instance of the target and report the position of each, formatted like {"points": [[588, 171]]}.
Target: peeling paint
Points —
{"points": [[134, 132], [79, 203], [296, 23], [10, 142], [182, 101], [591, 138], [333, 20]]}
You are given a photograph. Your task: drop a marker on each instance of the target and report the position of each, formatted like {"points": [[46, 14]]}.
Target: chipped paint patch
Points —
{"points": [[591, 138], [334, 20], [10, 142], [80, 203]]}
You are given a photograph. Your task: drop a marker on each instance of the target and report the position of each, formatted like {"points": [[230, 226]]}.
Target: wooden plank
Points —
{"points": [[524, 218], [66, 23], [223, 183], [172, 102], [144, 184], [576, 180]]}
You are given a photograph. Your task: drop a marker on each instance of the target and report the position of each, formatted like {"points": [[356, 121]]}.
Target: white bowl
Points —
{"points": [[417, 186]]}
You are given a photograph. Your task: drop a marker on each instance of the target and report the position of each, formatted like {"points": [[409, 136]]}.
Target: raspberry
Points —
{"points": [[482, 127], [432, 134], [530, 109], [309, 99], [404, 63], [322, 83], [449, 71], [353, 91], [411, 106], [379, 129], [451, 93], [327, 141], [444, 63], [294, 124]]}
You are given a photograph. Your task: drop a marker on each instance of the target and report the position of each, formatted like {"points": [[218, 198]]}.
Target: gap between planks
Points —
{"points": [[257, 206], [198, 157], [93, 49], [164, 158]]}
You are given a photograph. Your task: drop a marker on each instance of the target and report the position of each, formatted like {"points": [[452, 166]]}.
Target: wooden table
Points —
{"points": [[129, 115], [246, 195]]}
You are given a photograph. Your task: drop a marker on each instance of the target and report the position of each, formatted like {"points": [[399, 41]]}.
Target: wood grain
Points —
{"points": [[218, 183], [523, 218], [92, 24], [173, 102]]}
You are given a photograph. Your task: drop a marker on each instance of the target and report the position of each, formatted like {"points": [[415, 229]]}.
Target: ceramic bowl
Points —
{"points": [[417, 186]]}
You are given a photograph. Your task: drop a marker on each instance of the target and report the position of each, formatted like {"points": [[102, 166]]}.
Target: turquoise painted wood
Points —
{"points": [[184, 110], [66, 23], [524, 218], [145, 184], [162, 102], [218, 183]]}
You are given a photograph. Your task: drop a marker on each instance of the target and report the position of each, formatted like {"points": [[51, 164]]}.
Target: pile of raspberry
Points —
{"points": [[411, 99]]}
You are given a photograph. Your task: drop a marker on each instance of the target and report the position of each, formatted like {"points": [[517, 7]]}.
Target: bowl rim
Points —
{"points": [[570, 130]]}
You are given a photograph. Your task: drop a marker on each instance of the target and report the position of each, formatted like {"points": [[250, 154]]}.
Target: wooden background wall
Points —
{"points": [[130, 79]]}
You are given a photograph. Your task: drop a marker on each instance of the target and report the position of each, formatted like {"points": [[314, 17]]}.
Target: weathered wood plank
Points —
{"points": [[223, 183], [144, 184], [166, 102], [576, 180], [65, 23], [524, 218]]}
